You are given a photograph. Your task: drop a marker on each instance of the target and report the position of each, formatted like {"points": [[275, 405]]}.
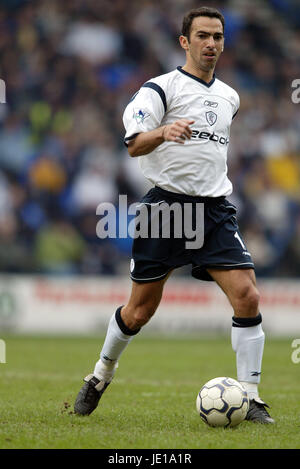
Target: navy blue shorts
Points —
{"points": [[222, 248]]}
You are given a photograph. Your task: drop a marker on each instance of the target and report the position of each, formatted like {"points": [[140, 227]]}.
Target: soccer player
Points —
{"points": [[179, 125]]}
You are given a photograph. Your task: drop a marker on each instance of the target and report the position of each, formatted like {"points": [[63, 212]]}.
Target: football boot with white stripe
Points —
{"points": [[89, 395], [258, 413]]}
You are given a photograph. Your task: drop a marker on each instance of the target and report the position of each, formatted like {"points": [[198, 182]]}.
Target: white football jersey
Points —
{"points": [[199, 166]]}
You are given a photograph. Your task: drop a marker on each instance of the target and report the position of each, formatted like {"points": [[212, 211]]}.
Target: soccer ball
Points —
{"points": [[222, 402]]}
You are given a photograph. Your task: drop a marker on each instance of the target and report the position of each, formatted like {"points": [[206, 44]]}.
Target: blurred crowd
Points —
{"points": [[71, 67]]}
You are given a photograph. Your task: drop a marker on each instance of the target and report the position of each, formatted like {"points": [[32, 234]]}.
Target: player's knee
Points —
{"points": [[247, 300], [137, 315]]}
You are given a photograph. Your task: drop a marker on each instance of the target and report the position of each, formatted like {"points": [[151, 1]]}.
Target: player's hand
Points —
{"points": [[178, 131]]}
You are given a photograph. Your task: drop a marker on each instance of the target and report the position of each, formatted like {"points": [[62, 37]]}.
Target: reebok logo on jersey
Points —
{"points": [[140, 115], [209, 136], [211, 103]]}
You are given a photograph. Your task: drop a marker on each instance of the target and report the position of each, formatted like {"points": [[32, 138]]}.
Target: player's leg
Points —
{"points": [[128, 320], [239, 285], [247, 335], [124, 324]]}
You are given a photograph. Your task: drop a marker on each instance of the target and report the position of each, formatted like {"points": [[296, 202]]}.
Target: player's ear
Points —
{"points": [[184, 42]]}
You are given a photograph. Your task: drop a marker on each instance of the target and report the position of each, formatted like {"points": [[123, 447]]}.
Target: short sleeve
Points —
{"points": [[145, 111]]}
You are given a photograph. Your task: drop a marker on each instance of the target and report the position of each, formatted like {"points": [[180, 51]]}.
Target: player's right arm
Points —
{"points": [[146, 142], [143, 118]]}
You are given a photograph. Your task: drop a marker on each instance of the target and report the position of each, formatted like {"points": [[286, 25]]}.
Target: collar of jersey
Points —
{"points": [[196, 78]]}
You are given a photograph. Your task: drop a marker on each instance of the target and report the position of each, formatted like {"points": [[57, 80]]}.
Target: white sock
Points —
{"points": [[247, 338], [251, 388], [117, 338], [104, 371]]}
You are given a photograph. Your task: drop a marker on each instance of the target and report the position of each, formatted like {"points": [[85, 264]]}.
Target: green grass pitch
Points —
{"points": [[151, 402]]}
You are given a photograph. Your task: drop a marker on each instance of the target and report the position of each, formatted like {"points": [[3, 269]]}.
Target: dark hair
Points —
{"points": [[202, 11]]}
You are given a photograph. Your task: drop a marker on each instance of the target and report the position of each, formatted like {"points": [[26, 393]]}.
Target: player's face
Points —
{"points": [[205, 43]]}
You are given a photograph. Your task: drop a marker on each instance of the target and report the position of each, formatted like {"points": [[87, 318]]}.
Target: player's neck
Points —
{"points": [[206, 76]]}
